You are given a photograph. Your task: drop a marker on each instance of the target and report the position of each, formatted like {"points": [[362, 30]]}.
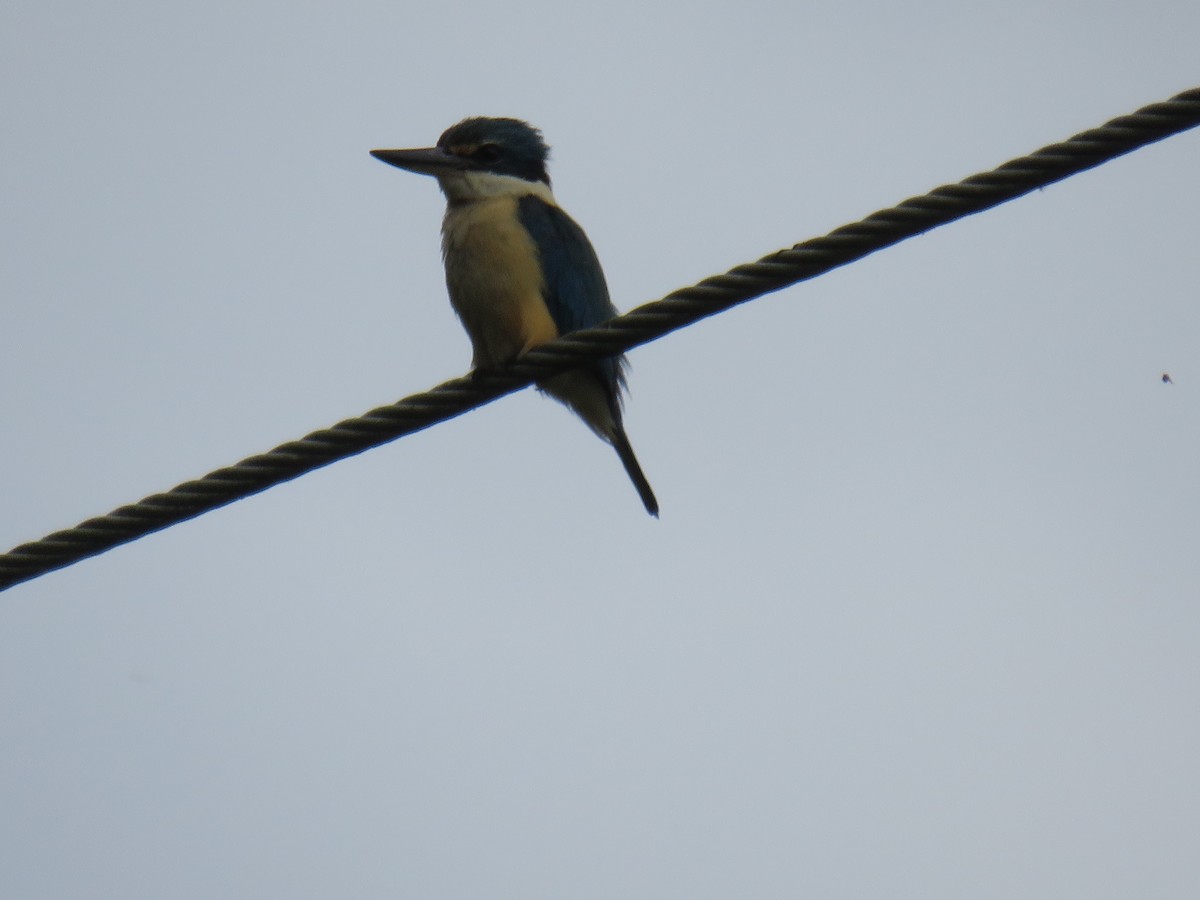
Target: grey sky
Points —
{"points": [[920, 617]]}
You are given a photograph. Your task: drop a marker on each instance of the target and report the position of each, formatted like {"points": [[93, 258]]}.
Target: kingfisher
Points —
{"points": [[519, 270]]}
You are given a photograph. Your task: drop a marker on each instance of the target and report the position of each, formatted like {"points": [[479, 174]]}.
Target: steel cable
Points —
{"points": [[639, 326]]}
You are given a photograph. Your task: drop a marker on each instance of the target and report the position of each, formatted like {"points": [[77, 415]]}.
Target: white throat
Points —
{"points": [[467, 187]]}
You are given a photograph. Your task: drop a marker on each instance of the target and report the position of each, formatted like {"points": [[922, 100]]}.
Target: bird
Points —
{"points": [[519, 270]]}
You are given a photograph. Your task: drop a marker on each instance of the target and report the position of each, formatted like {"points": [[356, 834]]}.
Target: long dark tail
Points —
{"points": [[621, 444]]}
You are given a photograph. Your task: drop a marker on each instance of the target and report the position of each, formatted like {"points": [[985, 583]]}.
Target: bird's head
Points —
{"points": [[508, 148]]}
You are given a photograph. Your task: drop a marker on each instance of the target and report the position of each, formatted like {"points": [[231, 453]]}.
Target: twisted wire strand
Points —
{"points": [[646, 323]]}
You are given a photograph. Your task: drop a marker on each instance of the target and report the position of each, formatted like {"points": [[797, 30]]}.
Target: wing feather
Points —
{"points": [[576, 293]]}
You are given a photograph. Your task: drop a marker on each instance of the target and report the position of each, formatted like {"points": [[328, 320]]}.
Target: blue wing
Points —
{"points": [[576, 293]]}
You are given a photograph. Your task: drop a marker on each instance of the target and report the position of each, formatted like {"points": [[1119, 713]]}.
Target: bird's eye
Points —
{"points": [[487, 154]]}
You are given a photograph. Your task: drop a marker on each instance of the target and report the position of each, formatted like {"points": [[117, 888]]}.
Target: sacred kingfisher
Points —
{"points": [[519, 271]]}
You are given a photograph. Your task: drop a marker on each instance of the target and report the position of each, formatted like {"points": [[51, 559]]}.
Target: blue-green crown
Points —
{"points": [[503, 146]]}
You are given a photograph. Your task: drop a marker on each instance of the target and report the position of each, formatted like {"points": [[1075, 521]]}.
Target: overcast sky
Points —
{"points": [[920, 617]]}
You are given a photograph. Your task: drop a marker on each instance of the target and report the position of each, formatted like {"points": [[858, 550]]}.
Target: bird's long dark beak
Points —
{"points": [[430, 161]]}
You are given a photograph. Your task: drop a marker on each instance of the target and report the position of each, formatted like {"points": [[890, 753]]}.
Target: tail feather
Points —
{"points": [[595, 401], [621, 444]]}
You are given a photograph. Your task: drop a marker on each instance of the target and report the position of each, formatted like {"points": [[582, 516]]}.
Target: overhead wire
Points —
{"points": [[639, 326]]}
